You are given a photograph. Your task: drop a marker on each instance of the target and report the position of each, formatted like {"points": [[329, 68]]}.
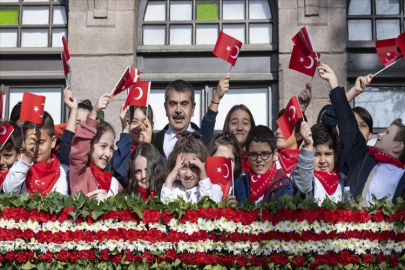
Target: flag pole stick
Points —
{"points": [[229, 72], [378, 72]]}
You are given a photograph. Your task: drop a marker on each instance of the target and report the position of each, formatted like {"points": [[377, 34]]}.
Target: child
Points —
{"points": [[315, 172], [226, 145], [136, 128], [188, 178], [377, 170], [92, 150], [263, 178], [10, 151], [146, 172], [38, 169]]}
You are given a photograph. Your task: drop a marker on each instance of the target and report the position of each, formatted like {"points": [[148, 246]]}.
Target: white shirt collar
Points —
{"points": [[171, 134]]}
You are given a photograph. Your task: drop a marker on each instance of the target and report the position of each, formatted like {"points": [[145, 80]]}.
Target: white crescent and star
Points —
{"points": [[219, 170], [253, 179], [294, 111], [3, 130], [236, 55], [39, 183], [390, 59], [140, 93], [312, 63]]}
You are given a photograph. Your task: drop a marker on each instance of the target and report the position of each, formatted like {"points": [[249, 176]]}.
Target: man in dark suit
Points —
{"points": [[179, 106]]}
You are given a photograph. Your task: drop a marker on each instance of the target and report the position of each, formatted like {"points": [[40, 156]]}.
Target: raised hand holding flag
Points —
{"points": [[32, 108], [220, 171], [138, 95], [128, 78], [290, 117], [227, 48], [65, 48]]}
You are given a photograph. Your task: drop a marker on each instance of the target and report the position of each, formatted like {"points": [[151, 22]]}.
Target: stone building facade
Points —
{"points": [[172, 39]]}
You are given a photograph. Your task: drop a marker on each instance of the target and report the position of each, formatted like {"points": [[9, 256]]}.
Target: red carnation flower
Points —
{"points": [[171, 255], [138, 258], [380, 258], [368, 258], [62, 256], [161, 258], [166, 217], [242, 260], [298, 261], [393, 260], [116, 258], [149, 258], [104, 255], [344, 258], [48, 257]]}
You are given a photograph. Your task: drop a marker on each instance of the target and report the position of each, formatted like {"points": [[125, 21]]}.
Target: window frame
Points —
{"points": [[49, 26], [373, 17]]}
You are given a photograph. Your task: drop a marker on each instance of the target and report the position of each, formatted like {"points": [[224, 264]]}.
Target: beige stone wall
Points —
{"points": [[327, 22], [101, 40]]}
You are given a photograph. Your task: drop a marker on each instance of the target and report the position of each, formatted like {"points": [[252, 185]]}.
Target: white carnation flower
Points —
{"points": [[182, 246], [3, 223], [229, 246], [288, 225], [231, 226], [140, 245], [191, 228], [208, 245], [340, 227], [305, 225], [374, 227], [351, 226], [181, 228], [210, 225], [383, 226]]}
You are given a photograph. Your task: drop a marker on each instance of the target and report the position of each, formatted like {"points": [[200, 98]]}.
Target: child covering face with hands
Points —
{"points": [[188, 178]]}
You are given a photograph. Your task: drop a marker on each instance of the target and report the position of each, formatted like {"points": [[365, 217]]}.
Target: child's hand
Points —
{"points": [[69, 98], [125, 116], [361, 83], [201, 167], [231, 201], [30, 147], [326, 73], [146, 130], [101, 104], [305, 96], [307, 135], [222, 88], [173, 174]]}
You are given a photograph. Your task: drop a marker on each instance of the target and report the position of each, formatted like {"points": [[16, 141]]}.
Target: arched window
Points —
{"points": [[368, 21], [175, 39]]}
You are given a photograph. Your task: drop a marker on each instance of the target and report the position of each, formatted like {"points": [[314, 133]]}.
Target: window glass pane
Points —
{"points": [[35, 15], [156, 11], [180, 35], [259, 9], [154, 35], [387, 7], [57, 35], [53, 101], [237, 31], [9, 15], [234, 10], [34, 38], [8, 1], [360, 7], [8, 37], [384, 104], [59, 15], [156, 101], [254, 99], [181, 10], [206, 34], [360, 30], [260, 33], [207, 10], [387, 29]]}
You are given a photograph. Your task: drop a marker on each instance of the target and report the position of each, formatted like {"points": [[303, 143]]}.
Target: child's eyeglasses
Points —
{"points": [[263, 155]]}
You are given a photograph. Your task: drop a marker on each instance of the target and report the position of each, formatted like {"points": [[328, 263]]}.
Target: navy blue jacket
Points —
{"points": [[358, 159], [121, 157], [280, 187], [65, 145]]}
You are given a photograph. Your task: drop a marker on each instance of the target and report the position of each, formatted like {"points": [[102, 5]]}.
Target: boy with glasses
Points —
{"points": [[263, 179]]}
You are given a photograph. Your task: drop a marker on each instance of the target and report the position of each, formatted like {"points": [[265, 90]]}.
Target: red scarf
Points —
{"points": [[288, 159], [245, 161], [144, 193], [42, 176], [3, 177], [384, 157], [132, 148], [102, 177], [259, 183], [329, 180]]}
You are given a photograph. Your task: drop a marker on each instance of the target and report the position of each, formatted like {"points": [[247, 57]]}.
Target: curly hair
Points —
{"points": [[187, 145]]}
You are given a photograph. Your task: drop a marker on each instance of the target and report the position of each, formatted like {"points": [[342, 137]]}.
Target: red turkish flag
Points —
{"points": [[5, 133], [66, 66], [302, 63], [291, 115], [303, 41], [220, 171], [227, 48], [401, 43], [65, 48], [32, 108], [135, 73], [126, 80], [138, 94], [387, 51]]}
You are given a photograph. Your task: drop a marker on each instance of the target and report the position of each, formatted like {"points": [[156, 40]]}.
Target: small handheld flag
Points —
{"points": [[5, 132], [302, 63], [303, 41], [32, 108], [138, 95], [220, 171], [227, 48], [290, 117]]}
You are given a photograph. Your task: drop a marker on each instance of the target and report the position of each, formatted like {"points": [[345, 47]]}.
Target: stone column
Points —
{"points": [[101, 41], [328, 25]]}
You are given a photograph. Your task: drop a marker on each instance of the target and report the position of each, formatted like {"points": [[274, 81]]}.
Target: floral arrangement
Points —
{"points": [[62, 232]]}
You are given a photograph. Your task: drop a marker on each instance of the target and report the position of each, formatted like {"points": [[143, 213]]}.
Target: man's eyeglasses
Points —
{"points": [[263, 155]]}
